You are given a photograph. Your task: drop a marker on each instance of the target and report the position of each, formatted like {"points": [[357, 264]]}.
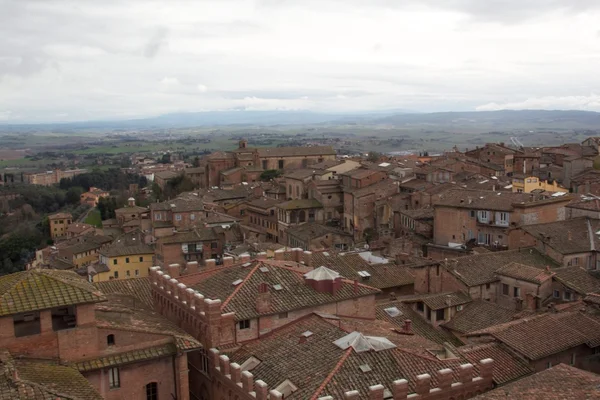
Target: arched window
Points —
{"points": [[302, 216], [152, 391], [110, 340]]}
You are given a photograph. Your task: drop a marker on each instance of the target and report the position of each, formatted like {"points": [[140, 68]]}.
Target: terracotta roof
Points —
{"points": [[479, 314], [131, 209], [543, 335], [300, 203], [313, 230], [419, 325], [560, 382], [525, 273], [295, 151], [294, 294], [131, 243], [133, 356], [348, 265], [301, 173], [576, 235], [39, 289], [419, 214], [286, 355], [438, 301], [387, 185], [507, 366], [60, 215], [79, 227], [593, 205], [179, 205], [166, 175], [195, 235], [264, 203], [127, 313], [42, 380], [577, 279], [137, 287], [489, 200], [479, 269]]}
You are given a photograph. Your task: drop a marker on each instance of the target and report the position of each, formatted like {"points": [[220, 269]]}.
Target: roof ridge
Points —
{"points": [[332, 373], [55, 276], [238, 287]]}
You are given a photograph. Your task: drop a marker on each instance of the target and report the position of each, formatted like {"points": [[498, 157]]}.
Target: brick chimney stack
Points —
{"points": [[407, 326], [263, 300]]}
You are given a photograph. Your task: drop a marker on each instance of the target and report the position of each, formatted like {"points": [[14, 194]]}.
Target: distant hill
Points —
{"points": [[483, 120]]}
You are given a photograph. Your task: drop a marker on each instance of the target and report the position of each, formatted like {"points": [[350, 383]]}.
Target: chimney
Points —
{"points": [[244, 258], [131, 202], [191, 267], [210, 263], [355, 286], [173, 270], [280, 255], [263, 300], [407, 327], [227, 261]]}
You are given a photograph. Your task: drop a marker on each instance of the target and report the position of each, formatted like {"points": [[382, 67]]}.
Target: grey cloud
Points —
{"points": [[155, 43]]}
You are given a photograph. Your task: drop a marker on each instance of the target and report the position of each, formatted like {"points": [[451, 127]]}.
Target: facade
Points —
{"points": [[127, 257], [484, 218], [130, 213], [51, 177], [528, 183], [313, 236], [198, 244], [261, 219], [297, 212], [59, 223]]}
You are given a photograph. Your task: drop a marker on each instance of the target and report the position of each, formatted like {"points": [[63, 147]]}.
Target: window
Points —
{"points": [[127, 273], [505, 289], [420, 306], [576, 261], [573, 359], [113, 378], [556, 294], [115, 261], [152, 391], [439, 315], [137, 272], [213, 245], [178, 217], [487, 286], [110, 340], [516, 292], [280, 164], [116, 274], [141, 259], [549, 365], [157, 216], [126, 260], [245, 324], [63, 318], [27, 324], [437, 270], [567, 296], [472, 213], [483, 216], [283, 315], [503, 218]]}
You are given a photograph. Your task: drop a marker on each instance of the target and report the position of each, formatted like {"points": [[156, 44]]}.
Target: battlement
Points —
{"points": [[232, 380], [190, 310]]}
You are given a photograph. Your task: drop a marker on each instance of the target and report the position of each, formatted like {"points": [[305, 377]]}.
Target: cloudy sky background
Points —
{"points": [[87, 59]]}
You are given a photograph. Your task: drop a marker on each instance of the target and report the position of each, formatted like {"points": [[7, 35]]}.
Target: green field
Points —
{"points": [[93, 218]]}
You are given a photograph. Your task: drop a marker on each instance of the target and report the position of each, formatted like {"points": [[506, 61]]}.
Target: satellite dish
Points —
{"points": [[367, 246]]}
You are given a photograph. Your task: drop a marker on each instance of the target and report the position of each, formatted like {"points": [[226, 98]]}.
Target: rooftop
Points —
{"points": [[489, 200], [300, 203], [557, 383], [295, 151], [179, 204], [313, 230], [195, 235], [525, 273], [137, 287], [576, 235], [131, 243], [438, 301], [60, 215], [40, 289], [477, 315]]}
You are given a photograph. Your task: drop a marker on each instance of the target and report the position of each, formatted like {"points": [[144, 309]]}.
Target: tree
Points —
{"points": [[270, 174], [373, 156], [196, 162], [165, 159], [73, 195]]}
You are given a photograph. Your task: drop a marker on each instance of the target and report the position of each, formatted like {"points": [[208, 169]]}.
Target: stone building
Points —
{"points": [[59, 223]]}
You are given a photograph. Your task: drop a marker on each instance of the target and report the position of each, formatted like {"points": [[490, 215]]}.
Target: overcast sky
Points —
{"points": [[95, 59]]}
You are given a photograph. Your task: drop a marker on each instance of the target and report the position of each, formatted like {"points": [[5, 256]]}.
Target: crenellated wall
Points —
{"points": [[188, 308], [231, 382]]}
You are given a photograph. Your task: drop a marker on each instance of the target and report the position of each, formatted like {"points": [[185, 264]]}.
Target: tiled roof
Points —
{"points": [[561, 382], [419, 214], [79, 227], [179, 205], [525, 273], [479, 314], [317, 367], [489, 200], [301, 173], [576, 235], [438, 301], [313, 230], [294, 295], [479, 269], [137, 287], [543, 335], [39, 289], [348, 265], [60, 215], [131, 243], [42, 380], [166, 174], [196, 235], [131, 209], [577, 279], [387, 185], [300, 203], [419, 325], [127, 313], [133, 356], [264, 203], [507, 366], [295, 151]]}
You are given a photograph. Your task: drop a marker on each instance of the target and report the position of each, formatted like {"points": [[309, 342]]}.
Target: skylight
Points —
{"points": [[264, 269], [277, 287], [307, 334], [364, 274], [246, 264], [361, 343], [392, 312], [237, 282], [365, 368]]}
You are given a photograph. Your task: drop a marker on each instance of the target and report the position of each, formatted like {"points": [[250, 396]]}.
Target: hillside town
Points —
{"points": [[299, 273]]}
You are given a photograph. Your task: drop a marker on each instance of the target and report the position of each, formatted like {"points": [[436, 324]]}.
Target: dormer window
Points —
{"points": [[110, 340]]}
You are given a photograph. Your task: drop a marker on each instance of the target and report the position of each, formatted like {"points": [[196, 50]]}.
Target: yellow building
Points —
{"points": [[127, 257], [58, 224], [526, 184], [84, 251]]}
